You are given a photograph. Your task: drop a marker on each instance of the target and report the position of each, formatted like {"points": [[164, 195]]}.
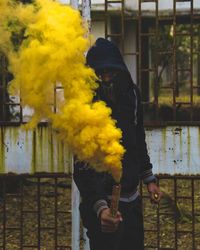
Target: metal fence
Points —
{"points": [[35, 211], [161, 44], [175, 223]]}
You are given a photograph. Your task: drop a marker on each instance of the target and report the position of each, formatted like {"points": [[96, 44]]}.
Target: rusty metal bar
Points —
{"points": [[55, 99], [191, 59], [175, 219], [148, 1], [38, 214], [148, 34], [21, 216], [3, 84], [158, 223], [4, 215], [148, 70], [122, 25], [198, 60], [38, 175], [56, 213], [114, 35], [143, 43], [174, 61], [120, 1], [156, 90], [139, 43], [193, 214], [106, 18]]}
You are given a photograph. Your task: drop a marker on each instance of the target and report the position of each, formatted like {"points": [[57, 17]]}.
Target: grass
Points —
{"points": [[161, 219], [175, 217]]}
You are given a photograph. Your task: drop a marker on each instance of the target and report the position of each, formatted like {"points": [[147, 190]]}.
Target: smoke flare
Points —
{"points": [[50, 54]]}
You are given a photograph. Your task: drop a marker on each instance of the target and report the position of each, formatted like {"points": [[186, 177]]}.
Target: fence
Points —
{"points": [[36, 213]]}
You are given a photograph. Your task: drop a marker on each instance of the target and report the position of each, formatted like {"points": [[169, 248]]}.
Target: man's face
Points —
{"points": [[106, 75]]}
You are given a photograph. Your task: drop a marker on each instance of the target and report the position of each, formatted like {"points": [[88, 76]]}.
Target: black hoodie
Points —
{"points": [[127, 111]]}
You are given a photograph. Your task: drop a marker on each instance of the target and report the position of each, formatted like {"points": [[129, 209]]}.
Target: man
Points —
{"points": [[117, 90]]}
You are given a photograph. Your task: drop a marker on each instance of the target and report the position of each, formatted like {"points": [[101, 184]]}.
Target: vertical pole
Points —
{"points": [[174, 63], [74, 4], [198, 63], [191, 59], [86, 6], [75, 196], [75, 217], [86, 14]]}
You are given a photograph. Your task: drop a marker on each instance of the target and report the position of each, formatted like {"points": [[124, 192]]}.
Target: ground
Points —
{"points": [[21, 222]]}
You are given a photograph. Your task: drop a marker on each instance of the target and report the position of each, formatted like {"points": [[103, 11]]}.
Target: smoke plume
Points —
{"points": [[45, 43]]}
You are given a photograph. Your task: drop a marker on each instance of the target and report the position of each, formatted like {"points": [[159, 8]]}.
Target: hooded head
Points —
{"points": [[105, 55]]}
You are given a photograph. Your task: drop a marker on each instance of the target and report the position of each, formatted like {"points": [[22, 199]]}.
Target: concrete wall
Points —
{"points": [[24, 151], [173, 150]]}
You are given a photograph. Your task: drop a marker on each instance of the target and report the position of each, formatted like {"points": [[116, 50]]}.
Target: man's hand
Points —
{"points": [[154, 191], [109, 224]]}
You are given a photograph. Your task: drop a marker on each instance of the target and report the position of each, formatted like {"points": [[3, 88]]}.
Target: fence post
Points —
{"points": [[75, 217], [74, 4], [86, 6], [86, 13]]}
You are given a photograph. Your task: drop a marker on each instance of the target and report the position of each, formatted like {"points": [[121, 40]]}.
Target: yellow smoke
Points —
{"points": [[14, 17], [52, 54], [4, 33]]}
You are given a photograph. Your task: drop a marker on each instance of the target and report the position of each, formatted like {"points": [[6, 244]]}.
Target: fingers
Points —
{"points": [[110, 224], [155, 193], [119, 216], [155, 197]]}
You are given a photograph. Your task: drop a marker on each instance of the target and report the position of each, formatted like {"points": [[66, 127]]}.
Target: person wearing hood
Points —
{"points": [[117, 90]]}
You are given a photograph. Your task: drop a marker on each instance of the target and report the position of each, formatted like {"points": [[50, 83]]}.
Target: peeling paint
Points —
{"points": [[175, 150], [23, 151]]}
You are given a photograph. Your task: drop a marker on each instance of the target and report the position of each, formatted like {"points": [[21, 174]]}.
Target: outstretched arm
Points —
{"points": [[145, 165]]}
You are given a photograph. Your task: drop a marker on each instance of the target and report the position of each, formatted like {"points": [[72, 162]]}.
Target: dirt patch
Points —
{"points": [[38, 215]]}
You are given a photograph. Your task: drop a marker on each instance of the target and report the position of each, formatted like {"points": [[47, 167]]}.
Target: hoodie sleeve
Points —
{"points": [[146, 173], [91, 186]]}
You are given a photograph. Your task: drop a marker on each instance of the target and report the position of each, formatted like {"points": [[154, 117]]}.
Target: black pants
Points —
{"points": [[130, 233]]}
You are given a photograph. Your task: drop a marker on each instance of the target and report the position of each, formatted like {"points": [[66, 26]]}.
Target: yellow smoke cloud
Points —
{"points": [[52, 54], [4, 33], [14, 17]]}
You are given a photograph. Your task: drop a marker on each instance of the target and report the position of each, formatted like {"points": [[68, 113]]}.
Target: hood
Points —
{"points": [[105, 54]]}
